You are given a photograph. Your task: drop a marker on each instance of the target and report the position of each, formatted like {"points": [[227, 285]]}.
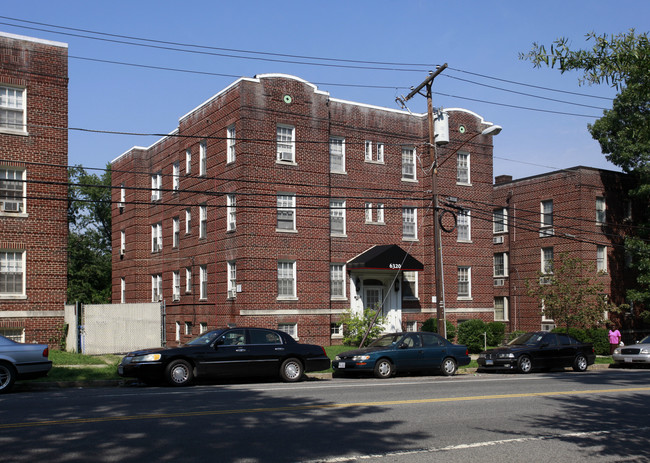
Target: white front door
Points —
{"points": [[373, 297]]}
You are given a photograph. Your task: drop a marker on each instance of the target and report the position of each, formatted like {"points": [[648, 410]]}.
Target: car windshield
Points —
{"points": [[386, 340], [645, 340], [528, 339], [205, 338]]}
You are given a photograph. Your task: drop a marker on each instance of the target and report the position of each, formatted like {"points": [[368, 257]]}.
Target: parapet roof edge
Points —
{"points": [[33, 39], [555, 172], [160, 140]]}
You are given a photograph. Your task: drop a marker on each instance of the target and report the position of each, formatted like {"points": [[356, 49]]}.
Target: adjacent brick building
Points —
{"points": [[582, 211], [274, 204], [33, 191]]}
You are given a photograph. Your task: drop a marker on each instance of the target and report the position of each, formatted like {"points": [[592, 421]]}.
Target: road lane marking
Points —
{"points": [[242, 411]]}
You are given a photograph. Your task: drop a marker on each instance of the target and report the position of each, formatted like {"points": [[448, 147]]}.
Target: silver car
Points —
{"points": [[638, 353], [21, 361]]}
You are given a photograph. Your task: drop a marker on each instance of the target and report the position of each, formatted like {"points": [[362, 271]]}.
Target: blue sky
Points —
{"points": [[481, 38]]}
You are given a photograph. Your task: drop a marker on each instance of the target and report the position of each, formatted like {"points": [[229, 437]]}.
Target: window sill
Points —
{"points": [[284, 230], [286, 298], [338, 235], [13, 297], [338, 299], [372, 161], [463, 184], [410, 180], [410, 239], [286, 163], [338, 172], [464, 298], [8, 131], [465, 241], [16, 215]]}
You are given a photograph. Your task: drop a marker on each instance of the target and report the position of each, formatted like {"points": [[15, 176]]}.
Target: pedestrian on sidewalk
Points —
{"points": [[614, 338]]}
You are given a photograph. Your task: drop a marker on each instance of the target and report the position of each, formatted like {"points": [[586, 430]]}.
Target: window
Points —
{"points": [[203, 327], [368, 212], [12, 109], [286, 212], [176, 291], [122, 196], [380, 213], [176, 232], [203, 221], [368, 156], [188, 161], [156, 237], [409, 223], [464, 282], [411, 326], [203, 281], [122, 242], [500, 308], [337, 217], [156, 288], [188, 328], [547, 260], [232, 279], [337, 281], [12, 273], [337, 155], [410, 285], [289, 328], [231, 209], [178, 331], [462, 168], [176, 172], [546, 217], [285, 144], [203, 158], [12, 190], [188, 221], [286, 279], [601, 215], [188, 280], [408, 163], [464, 226], [336, 330], [380, 152], [230, 145], [122, 290], [156, 186], [501, 264], [601, 259], [500, 220]]}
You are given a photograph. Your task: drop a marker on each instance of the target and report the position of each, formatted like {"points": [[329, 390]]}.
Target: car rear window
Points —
{"points": [[265, 337]]}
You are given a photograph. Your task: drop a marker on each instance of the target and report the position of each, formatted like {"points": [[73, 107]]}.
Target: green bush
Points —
{"points": [[471, 333], [495, 333], [431, 325], [355, 327], [596, 336]]}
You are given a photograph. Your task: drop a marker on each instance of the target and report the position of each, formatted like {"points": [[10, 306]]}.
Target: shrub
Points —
{"points": [[355, 327], [495, 333], [471, 334], [431, 325], [596, 336]]}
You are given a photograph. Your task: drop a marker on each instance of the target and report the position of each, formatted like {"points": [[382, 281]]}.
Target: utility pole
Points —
{"points": [[440, 314]]}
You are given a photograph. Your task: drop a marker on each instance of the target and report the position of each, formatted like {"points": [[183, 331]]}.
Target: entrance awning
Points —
{"points": [[385, 257]]}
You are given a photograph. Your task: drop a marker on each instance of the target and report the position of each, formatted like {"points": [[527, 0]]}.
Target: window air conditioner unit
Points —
{"points": [[11, 206], [120, 206], [499, 282], [544, 280], [544, 232], [285, 156], [232, 293], [497, 240], [121, 252], [176, 297]]}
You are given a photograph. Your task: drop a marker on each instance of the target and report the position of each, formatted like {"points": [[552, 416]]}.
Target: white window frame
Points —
{"points": [[601, 210], [546, 213], [337, 216], [463, 172], [176, 173], [409, 156], [188, 328], [188, 221], [337, 155], [409, 221], [290, 328], [178, 331], [156, 186], [176, 285], [337, 282], [156, 237], [232, 278], [285, 136], [368, 152], [13, 273], [203, 282], [464, 226], [203, 327], [231, 212], [231, 141], [380, 152], [122, 196], [500, 265], [122, 242], [287, 280], [203, 221], [547, 256], [188, 280], [188, 161], [13, 192], [411, 326], [156, 287], [176, 232], [203, 158], [500, 220], [410, 278], [464, 279], [368, 212], [379, 217], [286, 207], [504, 309], [601, 258], [122, 290], [13, 105]]}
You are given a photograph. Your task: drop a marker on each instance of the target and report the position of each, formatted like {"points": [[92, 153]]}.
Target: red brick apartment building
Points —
{"points": [[274, 204], [581, 211], [33, 191]]}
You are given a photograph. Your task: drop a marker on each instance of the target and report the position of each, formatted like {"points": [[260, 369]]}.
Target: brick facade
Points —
{"points": [[34, 156], [256, 107]]}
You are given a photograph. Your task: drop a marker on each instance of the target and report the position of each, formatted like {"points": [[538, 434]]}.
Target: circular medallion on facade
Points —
{"points": [[288, 99], [461, 129]]}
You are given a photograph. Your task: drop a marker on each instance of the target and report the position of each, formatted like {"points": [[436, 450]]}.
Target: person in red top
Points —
{"points": [[614, 338]]}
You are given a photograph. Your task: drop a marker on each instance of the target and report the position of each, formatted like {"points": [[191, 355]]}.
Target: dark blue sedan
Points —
{"points": [[404, 352]]}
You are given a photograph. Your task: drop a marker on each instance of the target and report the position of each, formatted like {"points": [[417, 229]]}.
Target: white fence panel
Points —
{"points": [[71, 343]]}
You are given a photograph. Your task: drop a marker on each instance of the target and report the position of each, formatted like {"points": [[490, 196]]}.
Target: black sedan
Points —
{"points": [[403, 352], [539, 349], [228, 352]]}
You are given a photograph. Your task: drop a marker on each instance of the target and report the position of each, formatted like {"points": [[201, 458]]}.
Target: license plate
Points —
{"points": [[627, 359], [489, 362], [341, 364]]}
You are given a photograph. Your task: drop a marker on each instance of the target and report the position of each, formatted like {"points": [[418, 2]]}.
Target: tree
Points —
{"points": [[89, 236], [623, 132], [356, 326], [569, 295]]}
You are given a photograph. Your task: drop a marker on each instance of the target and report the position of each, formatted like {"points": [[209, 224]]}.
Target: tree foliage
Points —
{"points": [[356, 325], [431, 325], [570, 295], [89, 236], [623, 62]]}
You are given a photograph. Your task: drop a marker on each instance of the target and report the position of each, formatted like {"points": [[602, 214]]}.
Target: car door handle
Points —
{"points": [[279, 348], [240, 350]]}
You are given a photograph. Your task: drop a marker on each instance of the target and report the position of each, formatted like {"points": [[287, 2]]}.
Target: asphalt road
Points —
{"points": [[599, 415]]}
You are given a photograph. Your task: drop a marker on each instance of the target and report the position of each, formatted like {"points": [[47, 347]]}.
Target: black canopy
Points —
{"points": [[385, 257]]}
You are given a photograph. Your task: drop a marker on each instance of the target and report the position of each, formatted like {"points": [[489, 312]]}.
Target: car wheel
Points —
{"points": [[580, 363], [179, 373], [448, 367], [524, 364], [7, 377], [291, 370], [384, 369]]}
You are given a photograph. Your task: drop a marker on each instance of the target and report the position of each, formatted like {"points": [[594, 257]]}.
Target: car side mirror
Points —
{"points": [[403, 346]]}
